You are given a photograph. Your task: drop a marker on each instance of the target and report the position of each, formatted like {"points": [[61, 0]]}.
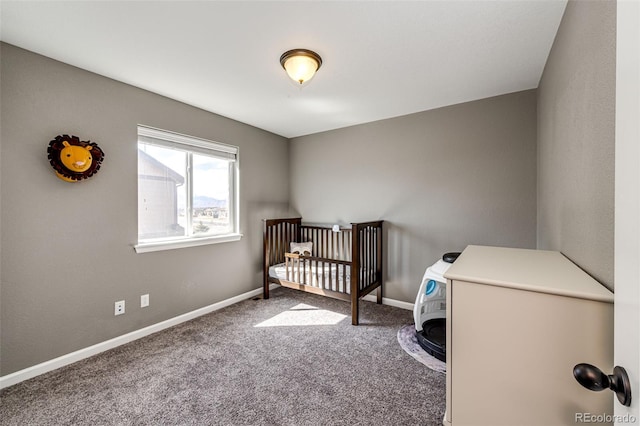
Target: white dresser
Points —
{"points": [[517, 322]]}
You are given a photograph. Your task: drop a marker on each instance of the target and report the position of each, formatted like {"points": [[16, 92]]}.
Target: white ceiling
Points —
{"points": [[380, 59]]}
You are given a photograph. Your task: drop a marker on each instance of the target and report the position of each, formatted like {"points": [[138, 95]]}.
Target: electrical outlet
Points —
{"points": [[119, 307], [144, 300]]}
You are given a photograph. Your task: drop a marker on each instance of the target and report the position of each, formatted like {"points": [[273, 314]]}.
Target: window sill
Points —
{"points": [[192, 242]]}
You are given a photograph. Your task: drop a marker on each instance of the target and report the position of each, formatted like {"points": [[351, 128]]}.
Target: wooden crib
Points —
{"points": [[344, 265]]}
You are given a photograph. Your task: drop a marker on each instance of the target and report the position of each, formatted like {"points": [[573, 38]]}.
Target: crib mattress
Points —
{"points": [[329, 276]]}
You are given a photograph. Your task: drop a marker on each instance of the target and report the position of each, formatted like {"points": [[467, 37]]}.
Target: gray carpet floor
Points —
{"points": [[294, 359]]}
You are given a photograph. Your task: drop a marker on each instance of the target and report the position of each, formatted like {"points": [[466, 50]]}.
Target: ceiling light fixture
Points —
{"points": [[300, 64]]}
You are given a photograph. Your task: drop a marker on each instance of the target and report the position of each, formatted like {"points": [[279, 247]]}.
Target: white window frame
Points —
{"points": [[195, 145]]}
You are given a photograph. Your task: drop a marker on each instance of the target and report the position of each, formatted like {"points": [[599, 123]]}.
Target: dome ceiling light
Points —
{"points": [[301, 64]]}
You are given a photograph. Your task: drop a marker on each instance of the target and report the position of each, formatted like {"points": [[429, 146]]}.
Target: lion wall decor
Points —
{"points": [[73, 159]]}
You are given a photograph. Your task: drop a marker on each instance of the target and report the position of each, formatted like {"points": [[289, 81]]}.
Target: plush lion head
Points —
{"points": [[73, 159]]}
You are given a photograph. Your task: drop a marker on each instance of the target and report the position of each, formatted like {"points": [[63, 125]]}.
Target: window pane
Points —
{"points": [[161, 192], [186, 189], [210, 196]]}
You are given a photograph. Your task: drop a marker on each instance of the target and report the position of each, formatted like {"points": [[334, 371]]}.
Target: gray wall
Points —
{"points": [[67, 252], [576, 135], [442, 179]]}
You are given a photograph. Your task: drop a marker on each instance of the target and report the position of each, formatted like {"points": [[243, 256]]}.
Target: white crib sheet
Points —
{"points": [[314, 273]]}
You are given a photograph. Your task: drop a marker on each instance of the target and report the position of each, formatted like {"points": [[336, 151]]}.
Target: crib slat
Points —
{"points": [[365, 280], [276, 244], [374, 266], [332, 238], [370, 232], [279, 240], [286, 268], [369, 257], [285, 233], [379, 256], [285, 237], [365, 271], [288, 237], [329, 277], [359, 248], [268, 245], [344, 279], [271, 244], [304, 273], [276, 234], [283, 241], [334, 285], [327, 249], [365, 259], [276, 237], [323, 275], [366, 251], [326, 236]]}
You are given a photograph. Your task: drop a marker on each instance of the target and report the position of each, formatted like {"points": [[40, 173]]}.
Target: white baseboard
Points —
{"points": [[53, 364], [391, 302], [45, 367]]}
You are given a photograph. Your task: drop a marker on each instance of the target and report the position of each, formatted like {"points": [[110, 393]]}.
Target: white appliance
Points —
{"points": [[431, 299], [430, 309]]}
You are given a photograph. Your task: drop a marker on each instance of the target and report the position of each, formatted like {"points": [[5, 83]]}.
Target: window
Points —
{"points": [[187, 191]]}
